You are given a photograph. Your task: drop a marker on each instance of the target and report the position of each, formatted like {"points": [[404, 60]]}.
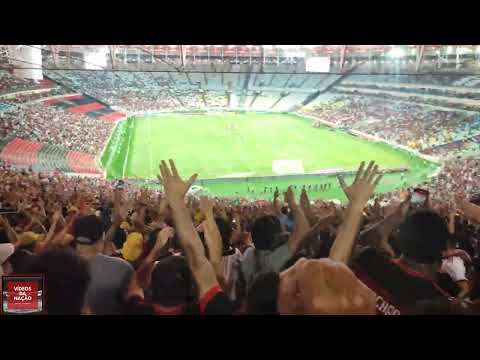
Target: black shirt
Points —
{"points": [[399, 289]]}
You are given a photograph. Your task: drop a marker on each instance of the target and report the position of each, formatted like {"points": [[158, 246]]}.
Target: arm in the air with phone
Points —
{"points": [[11, 234]]}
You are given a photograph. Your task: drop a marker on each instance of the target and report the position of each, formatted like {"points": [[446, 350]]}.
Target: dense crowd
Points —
{"points": [[27, 97], [401, 122], [417, 89], [142, 100], [115, 248], [10, 83], [118, 248], [46, 124], [458, 102]]}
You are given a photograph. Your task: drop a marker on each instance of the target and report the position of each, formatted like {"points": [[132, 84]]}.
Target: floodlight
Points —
{"points": [[396, 53]]}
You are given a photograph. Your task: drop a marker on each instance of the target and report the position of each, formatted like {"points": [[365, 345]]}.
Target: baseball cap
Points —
{"points": [[87, 230]]}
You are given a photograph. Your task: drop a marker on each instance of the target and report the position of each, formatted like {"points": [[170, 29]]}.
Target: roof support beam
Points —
{"points": [[343, 53], [183, 55], [113, 55], [53, 50], [420, 54]]}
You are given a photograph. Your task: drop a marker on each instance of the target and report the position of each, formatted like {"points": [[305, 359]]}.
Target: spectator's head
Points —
{"points": [[311, 287], [88, 233], [171, 282], [265, 230], [66, 280], [424, 236], [263, 295]]}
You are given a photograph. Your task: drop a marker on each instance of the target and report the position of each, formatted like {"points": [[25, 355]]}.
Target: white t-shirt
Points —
{"points": [[5, 251], [230, 272], [455, 268]]}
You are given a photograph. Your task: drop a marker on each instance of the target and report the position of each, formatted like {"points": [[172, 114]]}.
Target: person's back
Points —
{"points": [[398, 287], [109, 285], [171, 290], [401, 283], [110, 276], [271, 249]]}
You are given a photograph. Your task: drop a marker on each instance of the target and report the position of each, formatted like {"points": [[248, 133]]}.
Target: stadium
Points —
{"points": [[149, 103], [251, 120]]}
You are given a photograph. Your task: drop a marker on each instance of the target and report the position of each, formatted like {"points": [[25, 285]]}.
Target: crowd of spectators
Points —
{"points": [[46, 124], [118, 248], [114, 248], [28, 97], [434, 100], [424, 89], [407, 124], [164, 99], [10, 83]]}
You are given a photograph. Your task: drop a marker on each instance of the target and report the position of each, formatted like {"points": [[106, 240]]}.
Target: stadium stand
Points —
{"points": [[264, 256]]}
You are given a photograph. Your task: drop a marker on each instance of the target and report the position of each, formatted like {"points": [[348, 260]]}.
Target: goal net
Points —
{"points": [[284, 167]]}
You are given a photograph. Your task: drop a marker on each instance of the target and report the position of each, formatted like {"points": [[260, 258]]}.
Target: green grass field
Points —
{"points": [[246, 144]]}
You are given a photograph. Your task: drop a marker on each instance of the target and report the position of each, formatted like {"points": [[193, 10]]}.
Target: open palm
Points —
{"points": [[175, 188], [364, 184]]}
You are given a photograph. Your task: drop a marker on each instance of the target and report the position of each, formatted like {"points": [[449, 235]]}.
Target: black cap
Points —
{"points": [[87, 230]]}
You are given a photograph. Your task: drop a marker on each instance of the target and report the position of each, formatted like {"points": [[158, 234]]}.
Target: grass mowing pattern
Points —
{"points": [[215, 145]]}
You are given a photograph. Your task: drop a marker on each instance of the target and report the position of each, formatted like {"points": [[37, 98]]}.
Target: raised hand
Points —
{"points": [[162, 238], [120, 214], [175, 188], [206, 205], [56, 216], [364, 184], [276, 194], [289, 196], [162, 207], [304, 201]]}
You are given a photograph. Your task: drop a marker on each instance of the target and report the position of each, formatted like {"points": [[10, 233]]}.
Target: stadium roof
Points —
{"points": [[226, 49]]}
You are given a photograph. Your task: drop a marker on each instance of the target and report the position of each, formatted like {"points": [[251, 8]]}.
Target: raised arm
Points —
{"points": [[451, 219], [301, 225], [470, 210], [11, 234], [119, 214], [144, 272], [385, 227], [358, 194], [277, 206], [175, 190], [307, 209], [213, 238], [51, 231]]}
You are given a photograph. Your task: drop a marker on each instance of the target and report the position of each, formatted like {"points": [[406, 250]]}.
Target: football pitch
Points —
{"points": [[245, 154]]}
